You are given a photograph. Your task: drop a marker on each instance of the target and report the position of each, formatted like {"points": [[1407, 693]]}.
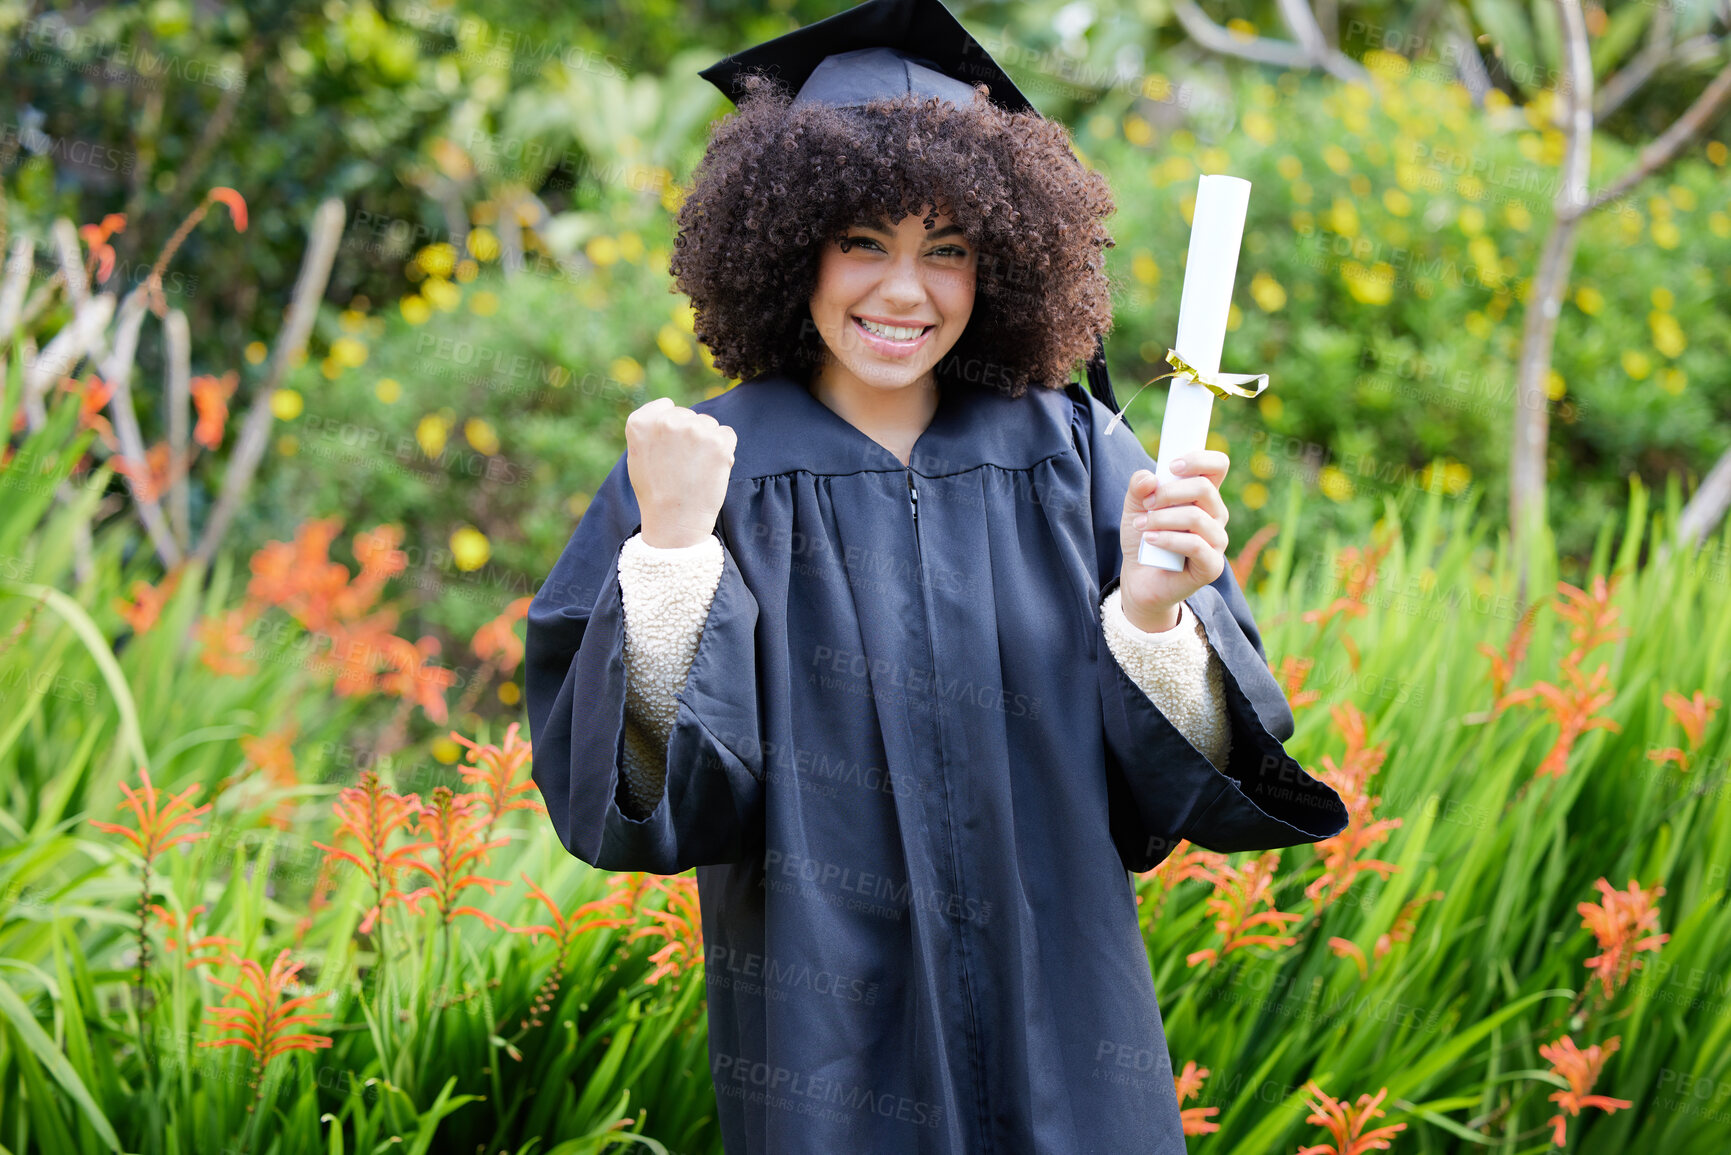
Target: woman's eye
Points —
{"points": [[848, 242], [950, 251]]}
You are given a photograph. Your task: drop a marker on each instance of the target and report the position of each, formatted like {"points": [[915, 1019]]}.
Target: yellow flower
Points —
{"points": [[484, 243], [1478, 324], [1673, 380], [1589, 300], [1267, 292], [1720, 223], [1234, 319], [445, 750], [1156, 87], [1555, 387], [286, 404], [1662, 297], [351, 320], [673, 344], [1335, 485], [1496, 100], [348, 352], [470, 548], [1300, 192], [1187, 206], [1372, 286], [1483, 251], [603, 250], [467, 270], [431, 433], [484, 303], [481, 435], [626, 371], [1262, 465], [1140, 133], [255, 352], [1682, 197], [1389, 65], [1271, 405], [1215, 159], [1290, 167], [1717, 152], [1145, 268], [1343, 217], [415, 309], [1637, 364], [1396, 202], [437, 259], [1337, 158], [1666, 235], [1518, 217], [1241, 28], [1254, 495], [1259, 126], [388, 390], [1303, 223], [441, 294], [1472, 220], [1667, 334]]}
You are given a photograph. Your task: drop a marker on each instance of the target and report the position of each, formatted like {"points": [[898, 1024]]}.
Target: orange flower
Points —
{"points": [[181, 931], [1581, 1069], [235, 202], [1188, 1084], [224, 642], [1346, 1123], [496, 768], [370, 813], [147, 601], [1572, 709], [453, 823], [273, 754], [1617, 921], [1340, 854], [101, 252], [1693, 714], [1594, 617], [680, 924], [1291, 675], [262, 1014], [210, 396], [1238, 891], [1503, 664], [615, 910], [497, 640], [154, 822], [1245, 562]]}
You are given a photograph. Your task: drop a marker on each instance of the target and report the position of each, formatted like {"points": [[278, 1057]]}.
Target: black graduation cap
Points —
{"points": [[886, 48]]}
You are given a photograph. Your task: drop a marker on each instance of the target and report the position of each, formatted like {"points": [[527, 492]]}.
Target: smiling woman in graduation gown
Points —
{"points": [[913, 778]]}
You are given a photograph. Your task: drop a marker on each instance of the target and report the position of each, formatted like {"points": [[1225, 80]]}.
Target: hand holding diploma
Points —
{"points": [[1176, 520]]}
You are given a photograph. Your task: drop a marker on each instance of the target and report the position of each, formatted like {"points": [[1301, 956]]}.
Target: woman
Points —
{"points": [[865, 639]]}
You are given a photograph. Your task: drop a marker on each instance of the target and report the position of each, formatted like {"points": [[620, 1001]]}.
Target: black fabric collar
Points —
{"points": [[783, 428]]}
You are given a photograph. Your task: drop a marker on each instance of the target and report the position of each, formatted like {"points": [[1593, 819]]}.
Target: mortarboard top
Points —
{"points": [[876, 49], [886, 48]]}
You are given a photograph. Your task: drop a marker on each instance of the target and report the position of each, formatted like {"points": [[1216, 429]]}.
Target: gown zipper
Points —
{"points": [[967, 993]]}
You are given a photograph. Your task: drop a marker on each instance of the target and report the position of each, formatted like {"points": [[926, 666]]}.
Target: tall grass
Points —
{"points": [[216, 937]]}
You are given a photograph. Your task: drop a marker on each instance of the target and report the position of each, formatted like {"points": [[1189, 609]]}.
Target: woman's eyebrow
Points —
{"points": [[882, 226]]}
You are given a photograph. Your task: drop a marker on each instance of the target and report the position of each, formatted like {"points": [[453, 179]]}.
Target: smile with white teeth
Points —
{"points": [[891, 332]]}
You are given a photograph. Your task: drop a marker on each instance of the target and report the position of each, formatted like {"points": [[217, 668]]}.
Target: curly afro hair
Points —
{"points": [[778, 183]]}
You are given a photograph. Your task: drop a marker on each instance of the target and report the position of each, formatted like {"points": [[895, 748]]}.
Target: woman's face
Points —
{"points": [[896, 301]]}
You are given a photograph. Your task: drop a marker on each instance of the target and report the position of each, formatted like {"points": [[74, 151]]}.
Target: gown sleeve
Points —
{"points": [[710, 808], [1163, 790]]}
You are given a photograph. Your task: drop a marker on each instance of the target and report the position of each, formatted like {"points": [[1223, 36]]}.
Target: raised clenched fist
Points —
{"points": [[679, 461]]}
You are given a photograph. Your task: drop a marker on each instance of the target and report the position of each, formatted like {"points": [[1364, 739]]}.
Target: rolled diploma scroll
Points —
{"points": [[1216, 230]]}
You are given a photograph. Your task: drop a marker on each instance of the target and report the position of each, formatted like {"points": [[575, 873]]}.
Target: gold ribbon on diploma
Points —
{"points": [[1219, 384]]}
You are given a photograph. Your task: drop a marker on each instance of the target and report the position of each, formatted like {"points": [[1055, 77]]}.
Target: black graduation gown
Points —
{"points": [[913, 779]]}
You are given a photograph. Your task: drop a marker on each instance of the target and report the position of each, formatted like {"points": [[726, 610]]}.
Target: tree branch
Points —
{"points": [[1669, 143]]}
